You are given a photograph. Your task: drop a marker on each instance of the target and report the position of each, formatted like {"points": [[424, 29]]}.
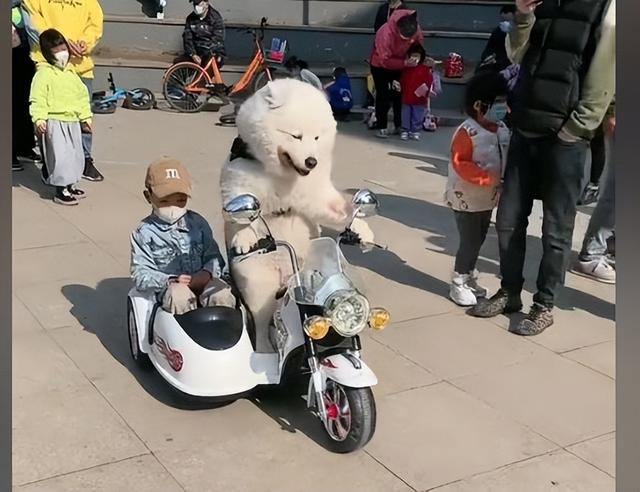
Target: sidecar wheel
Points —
{"points": [[140, 358], [351, 417]]}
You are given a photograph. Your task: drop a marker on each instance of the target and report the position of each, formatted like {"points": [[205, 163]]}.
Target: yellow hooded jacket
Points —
{"points": [[58, 94], [77, 20]]}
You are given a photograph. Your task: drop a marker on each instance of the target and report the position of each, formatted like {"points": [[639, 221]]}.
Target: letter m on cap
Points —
{"points": [[172, 174]]}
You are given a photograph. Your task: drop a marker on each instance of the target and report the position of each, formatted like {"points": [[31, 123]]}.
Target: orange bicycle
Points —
{"points": [[187, 86]]}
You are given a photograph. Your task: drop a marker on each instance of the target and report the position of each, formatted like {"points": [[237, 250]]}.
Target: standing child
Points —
{"points": [[61, 112], [415, 84], [339, 93], [478, 157]]}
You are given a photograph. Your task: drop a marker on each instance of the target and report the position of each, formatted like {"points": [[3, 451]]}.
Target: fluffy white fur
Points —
{"points": [[284, 124]]}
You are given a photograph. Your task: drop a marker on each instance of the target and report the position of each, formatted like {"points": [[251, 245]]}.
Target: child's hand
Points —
{"points": [[184, 279], [86, 127], [41, 127], [527, 6], [196, 59], [395, 85]]}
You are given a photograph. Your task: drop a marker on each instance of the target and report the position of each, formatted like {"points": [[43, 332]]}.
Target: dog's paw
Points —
{"points": [[364, 232], [244, 240]]}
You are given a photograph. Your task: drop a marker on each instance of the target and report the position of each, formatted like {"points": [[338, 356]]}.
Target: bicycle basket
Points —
{"points": [[277, 51]]}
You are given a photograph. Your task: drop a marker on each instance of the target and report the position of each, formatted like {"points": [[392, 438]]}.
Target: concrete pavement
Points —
{"points": [[463, 405]]}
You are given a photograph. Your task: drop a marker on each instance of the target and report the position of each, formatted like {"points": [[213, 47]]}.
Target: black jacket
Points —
{"points": [[204, 37], [383, 15], [496, 47]]}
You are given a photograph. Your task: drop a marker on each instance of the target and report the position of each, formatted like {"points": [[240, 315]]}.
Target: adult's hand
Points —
{"points": [[82, 47], [74, 48], [411, 62], [196, 59], [610, 125], [527, 6], [184, 279], [41, 127]]}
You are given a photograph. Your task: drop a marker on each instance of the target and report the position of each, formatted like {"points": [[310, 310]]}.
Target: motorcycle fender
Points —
{"points": [[347, 370]]}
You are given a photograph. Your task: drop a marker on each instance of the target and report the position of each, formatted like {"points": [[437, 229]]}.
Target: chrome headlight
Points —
{"points": [[348, 311]]}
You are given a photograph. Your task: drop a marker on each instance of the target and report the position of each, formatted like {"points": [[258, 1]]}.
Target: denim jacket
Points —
{"points": [[161, 251]]}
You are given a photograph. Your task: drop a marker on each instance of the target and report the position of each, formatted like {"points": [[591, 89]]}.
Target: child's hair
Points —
{"points": [[294, 62], [485, 87], [417, 48], [508, 9], [49, 39], [339, 72]]}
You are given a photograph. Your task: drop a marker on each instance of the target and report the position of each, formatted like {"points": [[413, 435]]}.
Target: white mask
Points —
{"points": [[171, 214], [200, 9], [62, 58], [506, 26]]}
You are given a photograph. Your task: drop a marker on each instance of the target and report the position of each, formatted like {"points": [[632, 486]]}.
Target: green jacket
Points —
{"points": [[58, 94], [599, 84]]}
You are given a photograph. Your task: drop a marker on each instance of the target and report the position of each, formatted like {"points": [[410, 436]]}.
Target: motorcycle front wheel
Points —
{"points": [[351, 417]]}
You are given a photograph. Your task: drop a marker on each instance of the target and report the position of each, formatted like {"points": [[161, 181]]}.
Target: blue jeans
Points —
{"points": [[602, 224], [413, 117], [87, 138], [551, 170]]}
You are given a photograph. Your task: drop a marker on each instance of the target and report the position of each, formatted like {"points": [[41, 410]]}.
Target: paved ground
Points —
{"points": [[464, 406]]}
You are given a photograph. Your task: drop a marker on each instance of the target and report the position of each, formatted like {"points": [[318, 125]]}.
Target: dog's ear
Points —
{"points": [[273, 95]]}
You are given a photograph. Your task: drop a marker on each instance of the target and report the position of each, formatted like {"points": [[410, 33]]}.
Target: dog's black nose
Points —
{"points": [[311, 162]]}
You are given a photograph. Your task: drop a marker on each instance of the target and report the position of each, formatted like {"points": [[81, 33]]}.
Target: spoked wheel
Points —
{"points": [[140, 99], [228, 119], [351, 417], [140, 358], [184, 87], [262, 79]]}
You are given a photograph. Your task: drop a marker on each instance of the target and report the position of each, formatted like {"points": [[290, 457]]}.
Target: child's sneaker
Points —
{"points": [[415, 136], [472, 283], [383, 133], [404, 135], [64, 197], [460, 292], [75, 192]]}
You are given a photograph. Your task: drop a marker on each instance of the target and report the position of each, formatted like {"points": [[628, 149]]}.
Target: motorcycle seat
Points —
{"points": [[213, 328]]}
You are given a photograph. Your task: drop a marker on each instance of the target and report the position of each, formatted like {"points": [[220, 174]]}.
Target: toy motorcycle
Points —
{"points": [[210, 352]]}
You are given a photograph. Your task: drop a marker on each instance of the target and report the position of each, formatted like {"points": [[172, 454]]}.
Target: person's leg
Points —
{"points": [[598, 155], [217, 293], [178, 299], [396, 102], [90, 173], [406, 121], [512, 220], [383, 89], [417, 120], [599, 241]]}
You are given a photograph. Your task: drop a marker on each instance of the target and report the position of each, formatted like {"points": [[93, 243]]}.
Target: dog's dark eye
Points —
{"points": [[317, 138]]}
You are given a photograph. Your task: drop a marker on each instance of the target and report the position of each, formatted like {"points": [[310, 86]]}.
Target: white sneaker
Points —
{"points": [[599, 270], [460, 292], [383, 133], [415, 136], [472, 283], [404, 136]]}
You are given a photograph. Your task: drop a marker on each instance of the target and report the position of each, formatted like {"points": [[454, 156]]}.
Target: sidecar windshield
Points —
{"points": [[325, 271]]}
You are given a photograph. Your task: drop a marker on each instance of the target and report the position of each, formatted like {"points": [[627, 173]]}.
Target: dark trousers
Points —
{"points": [[598, 155], [23, 70], [552, 170], [472, 229], [386, 97]]}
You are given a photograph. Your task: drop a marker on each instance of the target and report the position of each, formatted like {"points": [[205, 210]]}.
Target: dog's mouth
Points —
{"points": [[287, 161]]}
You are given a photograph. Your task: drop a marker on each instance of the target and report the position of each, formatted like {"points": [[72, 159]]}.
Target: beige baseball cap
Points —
{"points": [[166, 177]]}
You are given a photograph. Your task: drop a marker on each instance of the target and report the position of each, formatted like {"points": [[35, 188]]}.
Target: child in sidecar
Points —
{"points": [[173, 253]]}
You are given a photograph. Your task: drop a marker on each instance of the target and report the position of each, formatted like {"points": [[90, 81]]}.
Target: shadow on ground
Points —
{"points": [[31, 178]]}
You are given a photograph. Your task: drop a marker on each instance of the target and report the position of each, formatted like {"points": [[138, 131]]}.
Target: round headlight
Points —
{"points": [[348, 312]]}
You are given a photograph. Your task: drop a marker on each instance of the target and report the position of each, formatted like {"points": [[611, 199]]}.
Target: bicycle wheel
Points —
{"points": [[261, 79], [140, 99], [184, 87]]}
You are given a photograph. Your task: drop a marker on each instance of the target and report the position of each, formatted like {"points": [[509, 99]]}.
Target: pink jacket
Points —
{"points": [[389, 49]]}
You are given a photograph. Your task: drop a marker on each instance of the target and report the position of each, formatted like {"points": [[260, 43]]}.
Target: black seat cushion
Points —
{"points": [[213, 328]]}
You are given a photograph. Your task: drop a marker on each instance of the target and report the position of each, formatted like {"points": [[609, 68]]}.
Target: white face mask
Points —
{"points": [[506, 26], [200, 9], [171, 214], [62, 58]]}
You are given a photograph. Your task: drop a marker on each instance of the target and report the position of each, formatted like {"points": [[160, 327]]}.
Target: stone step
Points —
{"points": [[142, 69], [478, 15], [339, 45]]}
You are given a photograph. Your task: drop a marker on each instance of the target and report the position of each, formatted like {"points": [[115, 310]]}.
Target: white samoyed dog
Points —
{"points": [[283, 155]]}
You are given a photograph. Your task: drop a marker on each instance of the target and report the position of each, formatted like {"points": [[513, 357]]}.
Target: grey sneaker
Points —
{"points": [[382, 133], [404, 136], [599, 269], [501, 303], [472, 283], [538, 320]]}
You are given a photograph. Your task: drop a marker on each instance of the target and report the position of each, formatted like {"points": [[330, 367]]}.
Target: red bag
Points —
{"points": [[453, 66]]}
